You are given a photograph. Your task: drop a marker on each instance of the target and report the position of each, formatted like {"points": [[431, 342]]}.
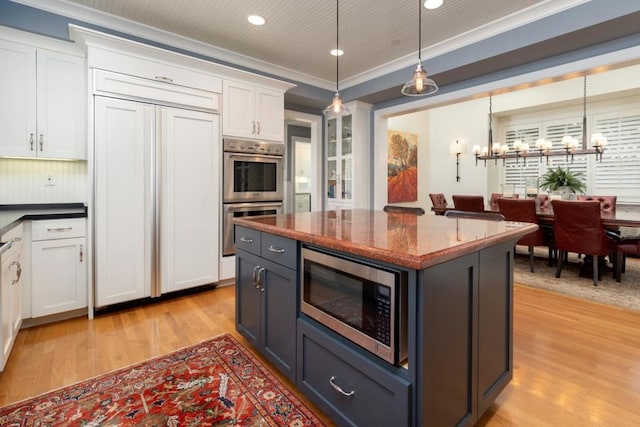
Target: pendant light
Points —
{"points": [[420, 84], [337, 108]]}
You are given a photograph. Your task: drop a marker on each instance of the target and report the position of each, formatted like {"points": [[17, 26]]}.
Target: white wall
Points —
{"points": [[24, 181]]}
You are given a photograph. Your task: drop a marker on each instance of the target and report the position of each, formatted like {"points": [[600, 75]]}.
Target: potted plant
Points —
{"points": [[563, 181]]}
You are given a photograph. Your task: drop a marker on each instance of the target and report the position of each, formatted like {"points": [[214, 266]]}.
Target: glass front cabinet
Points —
{"points": [[347, 155]]}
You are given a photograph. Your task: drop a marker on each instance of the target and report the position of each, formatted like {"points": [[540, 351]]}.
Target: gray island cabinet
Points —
{"points": [[459, 313]]}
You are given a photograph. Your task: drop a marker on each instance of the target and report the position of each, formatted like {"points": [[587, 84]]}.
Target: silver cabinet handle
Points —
{"points": [[31, 141], [253, 127], [276, 250], [339, 389], [245, 240], [60, 229], [81, 252], [260, 277], [18, 271], [254, 277], [258, 128], [164, 79], [41, 142]]}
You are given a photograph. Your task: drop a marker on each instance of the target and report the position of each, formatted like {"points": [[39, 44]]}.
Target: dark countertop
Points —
{"points": [[403, 239], [11, 215]]}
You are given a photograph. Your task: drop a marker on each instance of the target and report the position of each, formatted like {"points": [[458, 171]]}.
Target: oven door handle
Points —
{"points": [[253, 156], [253, 207]]}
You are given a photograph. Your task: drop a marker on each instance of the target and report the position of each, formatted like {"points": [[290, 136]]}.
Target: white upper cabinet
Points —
{"points": [[42, 104], [251, 111]]}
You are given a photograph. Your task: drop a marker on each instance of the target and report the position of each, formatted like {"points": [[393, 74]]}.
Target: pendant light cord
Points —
{"points": [[584, 114], [337, 41], [419, 31]]}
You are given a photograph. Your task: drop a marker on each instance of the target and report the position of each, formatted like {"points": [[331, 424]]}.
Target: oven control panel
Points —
{"points": [[258, 147]]}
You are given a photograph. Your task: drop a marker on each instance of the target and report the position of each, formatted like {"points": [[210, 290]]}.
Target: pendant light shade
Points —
{"points": [[420, 84], [336, 108]]}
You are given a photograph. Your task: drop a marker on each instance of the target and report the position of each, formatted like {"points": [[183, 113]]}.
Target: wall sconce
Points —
{"points": [[458, 148]]}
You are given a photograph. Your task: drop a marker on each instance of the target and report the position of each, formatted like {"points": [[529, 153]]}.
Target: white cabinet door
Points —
{"points": [[10, 293], [123, 200], [58, 276], [18, 99], [190, 205], [269, 114], [61, 106], [239, 106], [42, 104]]}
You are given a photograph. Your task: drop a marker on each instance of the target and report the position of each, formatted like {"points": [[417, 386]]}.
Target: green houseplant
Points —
{"points": [[562, 179]]}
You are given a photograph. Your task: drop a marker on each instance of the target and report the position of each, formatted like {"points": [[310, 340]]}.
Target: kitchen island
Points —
{"points": [[458, 316]]}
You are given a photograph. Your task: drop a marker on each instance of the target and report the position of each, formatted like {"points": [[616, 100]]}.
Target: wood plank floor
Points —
{"points": [[577, 363]]}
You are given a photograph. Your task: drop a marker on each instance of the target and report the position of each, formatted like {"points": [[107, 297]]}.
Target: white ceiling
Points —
{"points": [[378, 36]]}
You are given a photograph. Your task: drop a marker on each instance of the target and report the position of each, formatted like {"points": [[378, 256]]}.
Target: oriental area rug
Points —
{"points": [[217, 382], [625, 294]]}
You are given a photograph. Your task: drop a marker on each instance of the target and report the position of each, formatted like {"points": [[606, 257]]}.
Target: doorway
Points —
{"points": [[303, 163]]}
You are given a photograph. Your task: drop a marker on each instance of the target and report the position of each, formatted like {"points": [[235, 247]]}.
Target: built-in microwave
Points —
{"points": [[364, 302]]}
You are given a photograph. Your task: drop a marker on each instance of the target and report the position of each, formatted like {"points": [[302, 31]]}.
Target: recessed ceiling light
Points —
{"points": [[432, 4], [337, 52], [256, 20]]}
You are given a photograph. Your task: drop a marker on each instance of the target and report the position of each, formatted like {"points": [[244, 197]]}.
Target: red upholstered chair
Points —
{"points": [[577, 227], [525, 211], [468, 203], [438, 200], [624, 248], [607, 203], [493, 201]]}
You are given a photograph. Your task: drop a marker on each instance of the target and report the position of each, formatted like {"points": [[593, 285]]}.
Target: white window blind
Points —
{"points": [[516, 171], [554, 131], [619, 171]]}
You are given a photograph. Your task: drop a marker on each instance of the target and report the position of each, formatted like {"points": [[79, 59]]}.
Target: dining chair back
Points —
{"points": [[493, 201], [468, 203], [438, 200], [404, 209], [607, 203], [577, 227], [525, 211], [543, 201]]}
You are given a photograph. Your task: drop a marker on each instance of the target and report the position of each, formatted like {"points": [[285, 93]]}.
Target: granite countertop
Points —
{"points": [[10, 215], [403, 239]]}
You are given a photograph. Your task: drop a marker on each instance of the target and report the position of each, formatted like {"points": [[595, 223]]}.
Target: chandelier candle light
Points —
{"points": [[543, 147]]}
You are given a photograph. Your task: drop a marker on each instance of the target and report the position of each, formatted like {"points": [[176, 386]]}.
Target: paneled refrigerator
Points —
{"points": [[156, 199]]}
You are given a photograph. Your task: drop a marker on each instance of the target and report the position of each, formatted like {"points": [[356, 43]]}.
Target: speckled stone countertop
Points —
{"points": [[11, 215], [403, 239]]}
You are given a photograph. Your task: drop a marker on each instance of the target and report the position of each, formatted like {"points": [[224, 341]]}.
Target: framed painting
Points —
{"points": [[402, 166]]}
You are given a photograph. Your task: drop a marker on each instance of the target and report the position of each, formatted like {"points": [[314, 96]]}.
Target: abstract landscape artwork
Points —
{"points": [[402, 166]]}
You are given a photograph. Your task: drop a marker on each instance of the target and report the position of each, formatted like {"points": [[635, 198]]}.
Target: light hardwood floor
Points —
{"points": [[577, 363]]}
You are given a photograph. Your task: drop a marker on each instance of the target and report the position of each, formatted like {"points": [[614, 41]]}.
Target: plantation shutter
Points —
{"points": [[515, 170], [619, 171]]}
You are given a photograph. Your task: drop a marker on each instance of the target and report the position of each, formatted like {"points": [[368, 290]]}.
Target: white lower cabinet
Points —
{"points": [[58, 266], [10, 292]]}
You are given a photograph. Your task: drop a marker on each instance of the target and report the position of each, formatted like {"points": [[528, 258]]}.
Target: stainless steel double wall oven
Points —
{"points": [[253, 182]]}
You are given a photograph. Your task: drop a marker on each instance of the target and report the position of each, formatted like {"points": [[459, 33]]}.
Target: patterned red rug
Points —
{"points": [[217, 382]]}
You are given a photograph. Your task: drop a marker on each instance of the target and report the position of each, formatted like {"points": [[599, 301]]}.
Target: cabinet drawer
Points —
{"points": [[351, 389], [279, 250], [248, 239], [58, 229]]}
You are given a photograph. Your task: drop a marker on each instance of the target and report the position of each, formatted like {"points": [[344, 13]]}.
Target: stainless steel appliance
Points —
{"points": [[234, 210], [363, 302], [253, 171]]}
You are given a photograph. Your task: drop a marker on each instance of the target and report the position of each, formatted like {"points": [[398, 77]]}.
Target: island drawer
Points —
{"points": [[280, 250], [349, 387], [248, 239]]}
